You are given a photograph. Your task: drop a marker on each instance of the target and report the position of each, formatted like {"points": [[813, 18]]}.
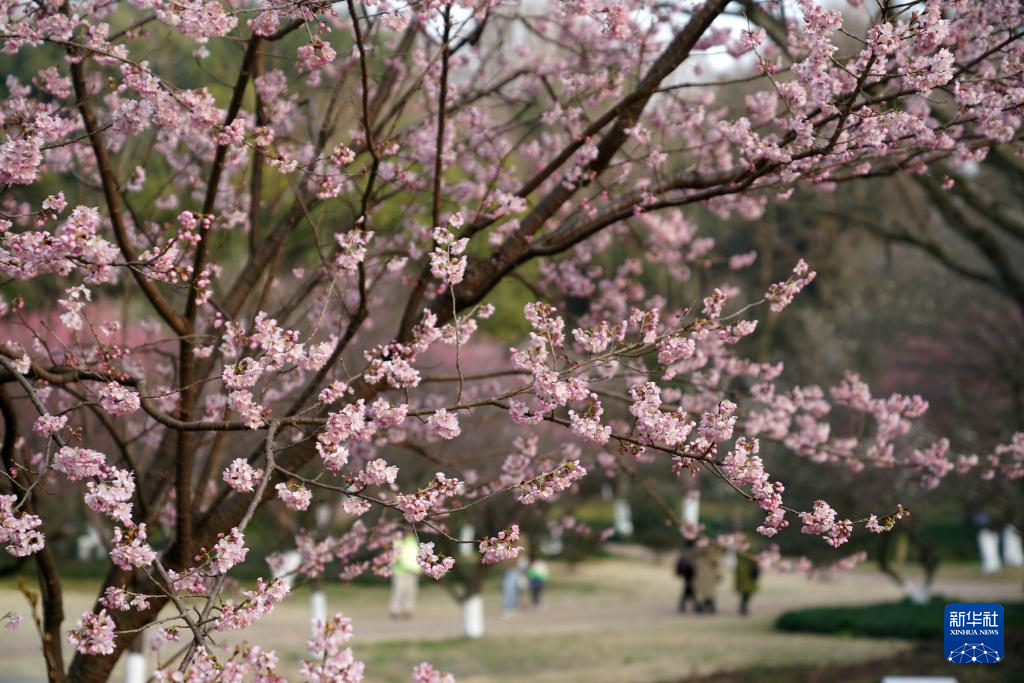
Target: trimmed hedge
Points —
{"points": [[883, 620]]}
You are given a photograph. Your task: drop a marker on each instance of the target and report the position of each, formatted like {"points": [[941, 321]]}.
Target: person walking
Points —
{"points": [[746, 575], [708, 574], [515, 574], [537, 574], [685, 570], [405, 572]]}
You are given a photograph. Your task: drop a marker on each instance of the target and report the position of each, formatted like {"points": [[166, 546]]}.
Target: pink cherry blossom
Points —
{"points": [[241, 476], [229, 551], [336, 662], [78, 463], [502, 547], [295, 496], [129, 548], [48, 425], [425, 673], [118, 400], [93, 634], [433, 565], [19, 532], [444, 424]]}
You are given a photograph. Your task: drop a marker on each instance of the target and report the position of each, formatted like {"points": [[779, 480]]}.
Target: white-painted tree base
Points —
{"points": [[473, 616], [317, 609], [988, 548], [1013, 547], [467, 534], [622, 515], [690, 508], [917, 593], [135, 668]]}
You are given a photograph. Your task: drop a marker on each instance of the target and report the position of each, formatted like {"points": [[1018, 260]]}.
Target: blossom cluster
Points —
{"points": [[448, 260], [416, 506], [550, 484], [335, 661], [433, 565], [19, 532], [495, 549]]}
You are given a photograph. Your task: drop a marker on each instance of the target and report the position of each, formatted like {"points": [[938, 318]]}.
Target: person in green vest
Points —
{"points": [[747, 574], [405, 572], [537, 573]]}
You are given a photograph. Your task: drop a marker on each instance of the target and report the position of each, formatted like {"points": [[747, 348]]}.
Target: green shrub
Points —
{"points": [[883, 620]]}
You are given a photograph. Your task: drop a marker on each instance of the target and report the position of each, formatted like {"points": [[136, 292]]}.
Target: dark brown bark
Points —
{"points": [[980, 236], [112, 196], [482, 275], [47, 573]]}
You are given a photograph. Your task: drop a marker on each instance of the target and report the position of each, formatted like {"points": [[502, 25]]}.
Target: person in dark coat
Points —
{"points": [[686, 567]]}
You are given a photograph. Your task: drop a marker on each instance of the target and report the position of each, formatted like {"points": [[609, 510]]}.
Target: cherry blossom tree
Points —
{"points": [[259, 295]]}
